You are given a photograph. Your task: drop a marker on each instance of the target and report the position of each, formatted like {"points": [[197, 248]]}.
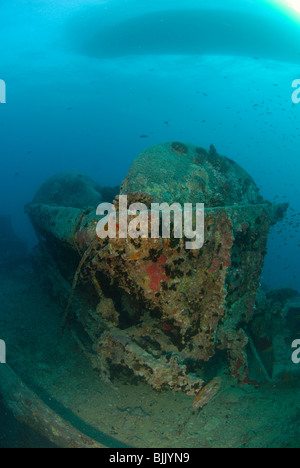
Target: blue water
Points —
{"points": [[87, 79]]}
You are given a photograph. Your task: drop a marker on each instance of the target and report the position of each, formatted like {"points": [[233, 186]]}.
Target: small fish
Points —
{"points": [[207, 393], [144, 136]]}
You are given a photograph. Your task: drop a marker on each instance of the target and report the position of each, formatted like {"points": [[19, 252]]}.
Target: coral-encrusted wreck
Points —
{"points": [[150, 305]]}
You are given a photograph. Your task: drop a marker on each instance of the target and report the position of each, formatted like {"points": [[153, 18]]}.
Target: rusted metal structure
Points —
{"points": [[150, 305], [28, 409]]}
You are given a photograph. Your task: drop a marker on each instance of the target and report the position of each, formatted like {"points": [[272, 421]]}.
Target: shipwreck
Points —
{"points": [[146, 304]]}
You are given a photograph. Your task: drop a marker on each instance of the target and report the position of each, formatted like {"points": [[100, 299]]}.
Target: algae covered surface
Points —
{"points": [[154, 306]]}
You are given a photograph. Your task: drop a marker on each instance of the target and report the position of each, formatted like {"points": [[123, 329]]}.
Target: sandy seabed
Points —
{"points": [[126, 413]]}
